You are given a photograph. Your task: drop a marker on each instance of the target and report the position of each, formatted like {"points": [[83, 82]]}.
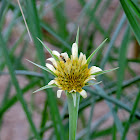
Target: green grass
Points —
{"points": [[95, 25]]}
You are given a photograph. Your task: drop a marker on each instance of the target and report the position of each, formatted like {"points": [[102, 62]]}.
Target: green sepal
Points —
{"points": [[42, 67], [49, 50], [45, 87], [102, 72], [92, 55], [77, 36], [92, 84]]}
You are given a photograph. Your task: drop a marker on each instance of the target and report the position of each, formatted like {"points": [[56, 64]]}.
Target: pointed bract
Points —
{"points": [[45, 87], [94, 69], [102, 72], [92, 55], [92, 84], [44, 68], [51, 82], [49, 50], [77, 37]]}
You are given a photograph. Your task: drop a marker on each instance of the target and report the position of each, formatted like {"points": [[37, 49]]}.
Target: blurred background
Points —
{"points": [[112, 108]]}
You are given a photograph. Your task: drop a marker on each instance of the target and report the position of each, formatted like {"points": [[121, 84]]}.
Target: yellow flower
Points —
{"points": [[72, 74]]}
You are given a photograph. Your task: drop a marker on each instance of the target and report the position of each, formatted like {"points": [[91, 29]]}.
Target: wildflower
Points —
{"points": [[71, 73]]}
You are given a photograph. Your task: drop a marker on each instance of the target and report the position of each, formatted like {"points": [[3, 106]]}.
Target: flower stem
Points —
{"points": [[73, 114]]}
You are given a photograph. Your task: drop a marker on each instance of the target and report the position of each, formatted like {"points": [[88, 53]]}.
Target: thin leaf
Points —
{"points": [[132, 114], [92, 55], [111, 43], [122, 62], [35, 29], [105, 71], [45, 87], [132, 19], [134, 7], [14, 99], [17, 87]]}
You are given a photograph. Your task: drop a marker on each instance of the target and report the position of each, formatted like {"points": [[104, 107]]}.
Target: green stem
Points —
{"points": [[73, 114]]}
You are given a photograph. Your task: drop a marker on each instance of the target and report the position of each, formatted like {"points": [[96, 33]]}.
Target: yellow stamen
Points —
{"points": [[71, 75]]}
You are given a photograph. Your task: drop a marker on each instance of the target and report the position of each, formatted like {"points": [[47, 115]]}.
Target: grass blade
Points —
{"points": [[34, 26], [131, 115], [116, 33], [122, 62], [132, 19], [14, 99], [18, 90], [114, 114], [134, 7]]}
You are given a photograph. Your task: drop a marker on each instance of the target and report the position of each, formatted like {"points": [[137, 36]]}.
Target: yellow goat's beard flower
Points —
{"points": [[72, 74]]}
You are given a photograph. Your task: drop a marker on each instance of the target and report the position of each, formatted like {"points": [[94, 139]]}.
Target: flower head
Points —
{"points": [[71, 73]]}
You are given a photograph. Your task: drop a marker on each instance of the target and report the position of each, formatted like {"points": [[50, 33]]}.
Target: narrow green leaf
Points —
{"points": [[131, 117], [77, 36], [35, 29], [134, 7], [14, 99], [45, 87], [92, 55], [42, 67], [122, 61], [105, 71], [132, 19], [17, 87], [114, 114], [49, 50]]}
